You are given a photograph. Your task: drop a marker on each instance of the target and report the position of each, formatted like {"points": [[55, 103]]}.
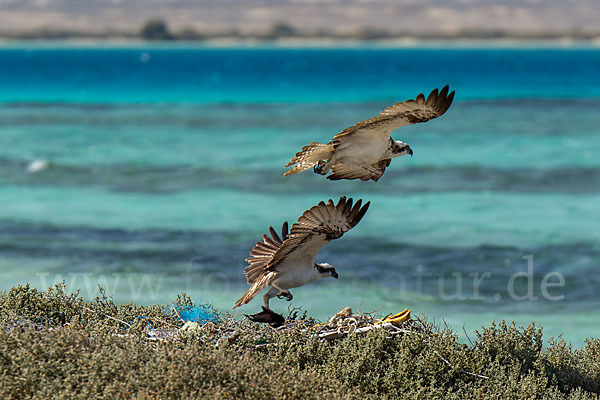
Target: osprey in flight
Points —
{"points": [[364, 150], [286, 262]]}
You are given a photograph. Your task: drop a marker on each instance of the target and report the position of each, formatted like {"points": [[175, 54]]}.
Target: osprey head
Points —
{"points": [[326, 270], [400, 148]]}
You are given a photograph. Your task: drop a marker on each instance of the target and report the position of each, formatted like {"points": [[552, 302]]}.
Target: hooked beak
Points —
{"points": [[334, 274], [409, 151]]}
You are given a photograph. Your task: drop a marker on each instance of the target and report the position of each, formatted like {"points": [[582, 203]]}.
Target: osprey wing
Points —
{"points": [[262, 253], [355, 171], [400, 114], [317, 226]]}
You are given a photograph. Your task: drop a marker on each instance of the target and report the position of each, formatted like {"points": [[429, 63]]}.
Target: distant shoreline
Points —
{"points": [[227, 42], [156, 32]]}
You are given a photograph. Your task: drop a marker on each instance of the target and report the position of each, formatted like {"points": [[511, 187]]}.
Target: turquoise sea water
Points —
{"points": [[157, 169]]}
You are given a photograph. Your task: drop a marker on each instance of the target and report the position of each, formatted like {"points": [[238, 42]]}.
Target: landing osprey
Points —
{"points": [[289, 261], [364, 150]]}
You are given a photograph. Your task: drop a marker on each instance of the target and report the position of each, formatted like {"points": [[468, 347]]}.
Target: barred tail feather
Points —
{"points": [[309, 157], [255, 289]]}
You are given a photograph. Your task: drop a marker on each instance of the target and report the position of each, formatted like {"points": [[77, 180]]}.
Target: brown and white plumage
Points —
{"points": [[364, 151], [288, 261]]}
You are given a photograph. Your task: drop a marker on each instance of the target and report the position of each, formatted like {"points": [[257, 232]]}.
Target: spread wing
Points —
{"points": [[362, 172], [400, 114], [316, 227], [262, 253]]}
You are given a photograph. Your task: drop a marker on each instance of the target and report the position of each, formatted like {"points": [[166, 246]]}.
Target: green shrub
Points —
{"points": [[56, 345]]}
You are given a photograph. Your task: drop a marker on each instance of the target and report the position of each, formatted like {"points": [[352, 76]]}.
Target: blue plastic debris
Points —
{"points": [[201, 313]]}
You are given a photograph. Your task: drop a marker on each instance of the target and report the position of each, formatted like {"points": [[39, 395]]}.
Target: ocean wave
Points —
{"points": [[226, 114], [381, 262], [170, 179]]}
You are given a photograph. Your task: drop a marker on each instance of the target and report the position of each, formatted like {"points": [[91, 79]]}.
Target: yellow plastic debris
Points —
{"points": [[398, 318]]}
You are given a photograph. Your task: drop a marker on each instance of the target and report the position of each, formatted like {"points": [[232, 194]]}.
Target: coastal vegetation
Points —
{"points": [[55, 344]]}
